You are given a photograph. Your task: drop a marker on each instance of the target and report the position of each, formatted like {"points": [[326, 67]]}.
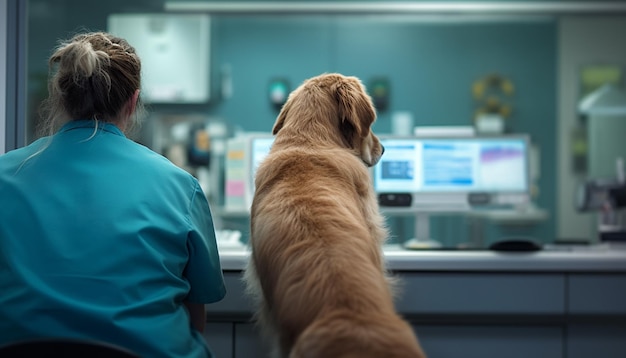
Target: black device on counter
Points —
{"points": [[395, 199], [516, 244]]}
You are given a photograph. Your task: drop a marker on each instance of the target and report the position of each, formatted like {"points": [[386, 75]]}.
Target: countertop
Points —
{"points": [[594, 258]]}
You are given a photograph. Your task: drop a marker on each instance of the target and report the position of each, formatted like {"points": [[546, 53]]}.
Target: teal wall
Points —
{"points": [[431, 67]]}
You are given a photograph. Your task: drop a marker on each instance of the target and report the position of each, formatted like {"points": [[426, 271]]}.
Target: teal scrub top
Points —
{"points": [[101, 238]]}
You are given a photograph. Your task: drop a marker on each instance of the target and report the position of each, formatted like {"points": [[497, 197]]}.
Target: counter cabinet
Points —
{"points": [[475, 313]]}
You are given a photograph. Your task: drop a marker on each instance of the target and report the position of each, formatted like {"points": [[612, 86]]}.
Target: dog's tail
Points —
{"points": [[346, 335]]}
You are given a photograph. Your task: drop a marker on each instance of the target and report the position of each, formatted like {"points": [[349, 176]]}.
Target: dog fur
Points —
{"points": [[317, 269]]}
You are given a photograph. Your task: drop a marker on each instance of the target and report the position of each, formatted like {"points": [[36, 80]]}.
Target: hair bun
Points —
{"points": [[80, 58]]}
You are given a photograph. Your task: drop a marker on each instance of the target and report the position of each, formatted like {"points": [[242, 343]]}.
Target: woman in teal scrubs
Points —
{"points": [[101, 238]]}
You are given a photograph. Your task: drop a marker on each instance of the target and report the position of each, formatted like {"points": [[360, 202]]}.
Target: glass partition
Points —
{"points": [[512, 71]]}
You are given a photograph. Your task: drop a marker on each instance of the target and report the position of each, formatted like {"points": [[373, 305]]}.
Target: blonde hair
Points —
{"points": [[92, 76]]}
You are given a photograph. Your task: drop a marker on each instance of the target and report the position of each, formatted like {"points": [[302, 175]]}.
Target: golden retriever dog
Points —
{"points": [[317, 267]]}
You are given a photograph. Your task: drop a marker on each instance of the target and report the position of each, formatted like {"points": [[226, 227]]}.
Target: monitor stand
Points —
{"points": [[422, 239], [422, 227]]}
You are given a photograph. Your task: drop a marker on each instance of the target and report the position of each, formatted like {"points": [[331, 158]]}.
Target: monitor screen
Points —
{"points": [[453, 165], [259, 149]]}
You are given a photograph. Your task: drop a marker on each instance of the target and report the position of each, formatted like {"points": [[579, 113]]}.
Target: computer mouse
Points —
{"points": [[517, 244]]}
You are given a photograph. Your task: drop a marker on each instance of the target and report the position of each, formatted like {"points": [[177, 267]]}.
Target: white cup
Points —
{"points": [[402, 123]]}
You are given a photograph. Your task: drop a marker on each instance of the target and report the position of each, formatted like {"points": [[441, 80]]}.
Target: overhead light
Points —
{"points": [[379, 8]]}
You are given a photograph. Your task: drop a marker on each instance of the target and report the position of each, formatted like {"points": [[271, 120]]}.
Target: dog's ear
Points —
{"points": [[356, 111], [280, 120]]}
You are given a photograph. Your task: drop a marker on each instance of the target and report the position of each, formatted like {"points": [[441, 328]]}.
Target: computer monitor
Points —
{"points": [[452, 174]]}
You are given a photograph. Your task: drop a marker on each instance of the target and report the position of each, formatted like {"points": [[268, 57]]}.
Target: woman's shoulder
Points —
{"points": [[158, 162], [19, 155]]}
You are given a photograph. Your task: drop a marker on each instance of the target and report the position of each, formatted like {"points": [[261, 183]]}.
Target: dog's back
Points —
{"points": [[319, 266]]}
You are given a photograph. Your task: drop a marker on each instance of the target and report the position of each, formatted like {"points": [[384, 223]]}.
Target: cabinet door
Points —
{"points": [[602, 294], [594, 340], [219, 336], [236, 303], [491, 341], [249, 342]]}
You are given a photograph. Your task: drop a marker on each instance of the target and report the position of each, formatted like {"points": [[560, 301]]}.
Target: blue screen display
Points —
{"points": [[470, 164]]}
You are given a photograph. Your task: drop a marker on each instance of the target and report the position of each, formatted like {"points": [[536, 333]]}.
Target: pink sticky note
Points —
{"points": [[235, 188]]}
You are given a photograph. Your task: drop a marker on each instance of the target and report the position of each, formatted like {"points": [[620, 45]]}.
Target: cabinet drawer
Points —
{"points": [[249, 342], [443, 293], [597, 294], [219, 337]]}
